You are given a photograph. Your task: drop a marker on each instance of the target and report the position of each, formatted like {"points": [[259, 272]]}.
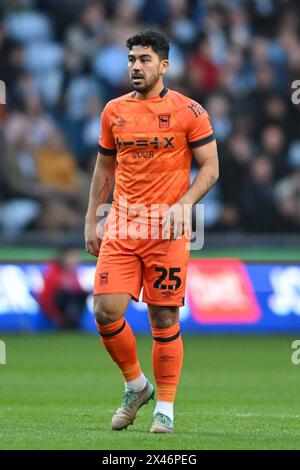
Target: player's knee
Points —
{"points": [[164, 317], [164, 322], [104, 312]]}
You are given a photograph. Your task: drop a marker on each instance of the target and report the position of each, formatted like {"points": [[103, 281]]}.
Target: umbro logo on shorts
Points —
{"points": [[168, 294]]}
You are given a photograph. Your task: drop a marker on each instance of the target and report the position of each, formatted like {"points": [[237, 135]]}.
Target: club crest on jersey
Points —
{"points": [[164, 121]]}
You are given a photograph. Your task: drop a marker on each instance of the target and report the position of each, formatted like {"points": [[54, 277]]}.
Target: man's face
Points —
{"points": [[145, 68]]}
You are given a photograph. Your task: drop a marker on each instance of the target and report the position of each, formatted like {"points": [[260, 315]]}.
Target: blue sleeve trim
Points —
{"points": [[204, 141], [105, 151]]}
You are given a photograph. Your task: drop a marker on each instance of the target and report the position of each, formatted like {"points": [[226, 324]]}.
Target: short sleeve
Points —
{"points": [[106, 139], [199, 130]]}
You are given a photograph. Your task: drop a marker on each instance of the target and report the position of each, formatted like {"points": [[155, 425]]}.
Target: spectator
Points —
{"points": [[62, 298], [287, 194], [31, 123], [257, 200], [204, 74], [273, 144], [62, 61]]}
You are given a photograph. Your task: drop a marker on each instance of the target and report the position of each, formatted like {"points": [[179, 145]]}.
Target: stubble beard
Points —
{"points": [[146, 87]]}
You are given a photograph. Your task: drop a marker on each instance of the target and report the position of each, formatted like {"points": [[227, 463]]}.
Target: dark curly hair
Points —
{"points": [[159, 42]]}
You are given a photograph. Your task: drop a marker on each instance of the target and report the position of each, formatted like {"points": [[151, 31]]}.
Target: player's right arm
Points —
{"points": [[100, 189], [101, 184]]}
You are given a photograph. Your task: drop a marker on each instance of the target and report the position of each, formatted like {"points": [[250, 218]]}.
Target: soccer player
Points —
{"points": [[147, 141]]}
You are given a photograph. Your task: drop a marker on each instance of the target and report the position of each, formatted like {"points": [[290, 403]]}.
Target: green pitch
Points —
{"points": [[18, 253], [59, 392]]}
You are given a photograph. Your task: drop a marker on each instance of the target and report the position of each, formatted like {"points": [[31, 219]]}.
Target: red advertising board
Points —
{"points": [[220, 291]]}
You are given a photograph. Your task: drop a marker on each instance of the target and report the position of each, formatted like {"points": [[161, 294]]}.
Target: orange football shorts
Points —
{"points": [[125, 266]]}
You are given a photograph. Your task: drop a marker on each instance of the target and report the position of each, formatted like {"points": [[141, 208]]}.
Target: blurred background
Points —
{"points": [[62, 60]]}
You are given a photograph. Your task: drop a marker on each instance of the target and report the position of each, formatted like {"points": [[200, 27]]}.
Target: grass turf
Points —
{"points": [[59, 392], [35, 254]]}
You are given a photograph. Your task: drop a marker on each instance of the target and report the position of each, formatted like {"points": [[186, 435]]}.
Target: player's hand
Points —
{"points": [[177, 221], [92, 241]]}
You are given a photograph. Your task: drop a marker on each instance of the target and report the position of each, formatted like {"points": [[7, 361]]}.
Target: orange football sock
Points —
{"points": [[167, 357], [120, 343]]}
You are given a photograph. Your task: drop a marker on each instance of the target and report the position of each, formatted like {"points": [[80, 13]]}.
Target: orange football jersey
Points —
{"points": [[153, 141]]}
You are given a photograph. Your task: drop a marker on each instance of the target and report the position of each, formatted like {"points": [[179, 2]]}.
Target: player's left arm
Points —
{"points": [[207, 159], [202, 142]]}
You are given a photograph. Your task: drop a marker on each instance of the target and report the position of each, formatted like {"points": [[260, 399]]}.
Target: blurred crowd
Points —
{"points": [[62, 60]]}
